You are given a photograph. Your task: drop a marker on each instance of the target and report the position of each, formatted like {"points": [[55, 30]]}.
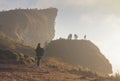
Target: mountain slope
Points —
{"points": [[79, 52], [52, 68]]}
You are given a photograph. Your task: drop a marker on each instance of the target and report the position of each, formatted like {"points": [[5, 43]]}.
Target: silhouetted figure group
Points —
{"points": [[70, 36], [39, 53], [75, 37]]}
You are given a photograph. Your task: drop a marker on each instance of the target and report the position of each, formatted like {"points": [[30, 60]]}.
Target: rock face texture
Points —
{"points": [[29, 25], [14, 52], [79, 52]]}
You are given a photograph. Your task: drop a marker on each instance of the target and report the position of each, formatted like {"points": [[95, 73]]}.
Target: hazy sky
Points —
{"points": [[98, 19]]}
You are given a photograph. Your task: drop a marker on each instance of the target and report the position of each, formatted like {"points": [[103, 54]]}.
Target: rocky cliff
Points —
{"points": [[17, 64], [79, 52], [29, 25]]}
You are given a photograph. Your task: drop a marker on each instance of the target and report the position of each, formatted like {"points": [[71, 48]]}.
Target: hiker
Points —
{"points": [[84, 37], [69, 36], [39, 54], [76, 36]]}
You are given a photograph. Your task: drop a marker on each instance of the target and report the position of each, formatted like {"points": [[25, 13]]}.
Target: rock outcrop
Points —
{"points": [[29, 25], [14, 52], [79, 52]]}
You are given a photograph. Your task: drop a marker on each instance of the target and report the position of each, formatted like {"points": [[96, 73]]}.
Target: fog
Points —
{"points": [[98, 19]]}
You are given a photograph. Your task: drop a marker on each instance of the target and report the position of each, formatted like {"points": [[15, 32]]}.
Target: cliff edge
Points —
{"points": [[29, 25], [79, 52]]}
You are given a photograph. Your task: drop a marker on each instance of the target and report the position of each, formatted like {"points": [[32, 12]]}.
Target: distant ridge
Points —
{"points": [[79, 52]]}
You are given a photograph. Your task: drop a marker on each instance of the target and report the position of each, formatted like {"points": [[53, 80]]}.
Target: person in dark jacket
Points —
{"points": [[39, 53]]}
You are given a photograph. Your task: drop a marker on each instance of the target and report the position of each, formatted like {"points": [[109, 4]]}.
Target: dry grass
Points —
{"points": [[52, 70], [115, 77]]}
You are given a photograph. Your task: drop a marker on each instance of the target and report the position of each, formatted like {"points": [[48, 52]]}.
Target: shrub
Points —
{"points": [[30, 59]]}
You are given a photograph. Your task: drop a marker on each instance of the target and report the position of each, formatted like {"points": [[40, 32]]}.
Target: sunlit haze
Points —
{"points": [[98, 19]]}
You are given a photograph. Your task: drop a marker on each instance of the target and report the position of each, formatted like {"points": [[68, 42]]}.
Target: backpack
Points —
{"points": [[40, 51]]}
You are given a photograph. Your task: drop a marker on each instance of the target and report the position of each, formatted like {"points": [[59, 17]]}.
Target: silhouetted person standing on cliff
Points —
{"points": [[84, 37], [75, 36], [39, 54], [69, 36]]}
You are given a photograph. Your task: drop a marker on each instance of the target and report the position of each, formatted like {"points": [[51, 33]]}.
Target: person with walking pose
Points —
{"points": [[39, 53]]}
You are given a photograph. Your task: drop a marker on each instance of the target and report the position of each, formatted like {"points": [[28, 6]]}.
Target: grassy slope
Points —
{"points": [[79, 52], [52, 70]]}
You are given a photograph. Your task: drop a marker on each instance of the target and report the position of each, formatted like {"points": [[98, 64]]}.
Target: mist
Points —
{"points": [[98, 19]]}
